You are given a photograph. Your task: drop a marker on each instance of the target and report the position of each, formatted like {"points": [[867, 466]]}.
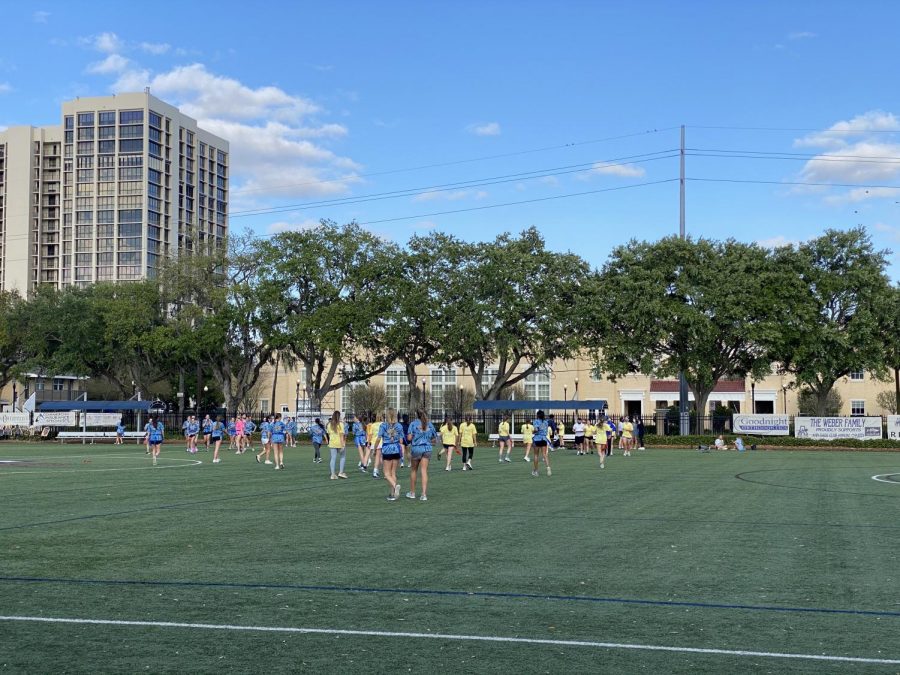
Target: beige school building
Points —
{"points": [[574, 379]]}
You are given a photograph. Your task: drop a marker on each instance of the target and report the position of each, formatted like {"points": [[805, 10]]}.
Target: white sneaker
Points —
{"points": [[534, 473], [423, 498], [527, 458], [410, 495], [216, 461], [267, 462], [500, 460], [507, 459], [397, 490], [277, 468], [447, 469], [549, 472]]}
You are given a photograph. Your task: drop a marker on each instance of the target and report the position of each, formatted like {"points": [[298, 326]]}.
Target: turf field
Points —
{"points": [[670, 561]]}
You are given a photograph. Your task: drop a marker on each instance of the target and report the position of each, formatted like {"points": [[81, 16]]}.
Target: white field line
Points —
{"points": [[884, 477], [446, 636], [185, 463]]}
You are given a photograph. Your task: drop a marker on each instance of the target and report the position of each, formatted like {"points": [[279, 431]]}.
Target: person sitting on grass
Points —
{"points": [[720, 443], [739, 444]]}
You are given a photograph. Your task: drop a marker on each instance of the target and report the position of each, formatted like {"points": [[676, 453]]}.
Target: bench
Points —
{"points": [[92, 436], [494, 438]]}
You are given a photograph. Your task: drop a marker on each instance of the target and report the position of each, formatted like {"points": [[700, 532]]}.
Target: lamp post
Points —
{"points": [[753, 397], [297, 400], [784, 396], [205, 392], [133, 389], [575, 398], [459, 414], [423, 394]]}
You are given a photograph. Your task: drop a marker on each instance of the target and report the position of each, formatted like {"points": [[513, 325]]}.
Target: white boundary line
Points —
{"points": [[187, 463], [881, 478], [446, 636]]}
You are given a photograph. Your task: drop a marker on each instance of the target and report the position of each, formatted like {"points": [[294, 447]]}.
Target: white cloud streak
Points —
{"points": [[484, 129], [114, 63], [621, 170]]}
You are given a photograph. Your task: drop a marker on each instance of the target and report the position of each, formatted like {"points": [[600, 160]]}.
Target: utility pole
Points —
{"points": [[685, 416]]}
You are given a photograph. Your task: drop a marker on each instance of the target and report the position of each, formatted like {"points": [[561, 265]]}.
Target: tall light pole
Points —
{"points": [[753, 398], [784, 397], [424, 405], [205, 396], [297, 400], [575, 397], [685, 424]]}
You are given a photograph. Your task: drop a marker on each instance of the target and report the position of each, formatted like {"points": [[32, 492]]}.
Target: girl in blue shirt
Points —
{"points": [[216, 430], [265, 430], [541, 441], [359, 437], [278, 430], [290, 427], [421, 436], [154, 430], [390, 434], [318, 436], [120, 433]]}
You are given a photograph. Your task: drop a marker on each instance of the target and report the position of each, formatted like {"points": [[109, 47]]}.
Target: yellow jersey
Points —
{"points": [[527, 432], [590, 431], [449, 434], [627, 429], [467, 435], [503, 430], [373, 433], [562, 430], [335, 436]]}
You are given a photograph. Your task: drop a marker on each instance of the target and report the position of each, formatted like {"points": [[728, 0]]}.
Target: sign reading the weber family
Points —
{"points": [[893, 427], [761, 425], [56, 419], [14, 419], [103, 419], [831, 428]]}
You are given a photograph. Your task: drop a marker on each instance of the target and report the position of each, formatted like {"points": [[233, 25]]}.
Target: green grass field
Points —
{"points": [[762, 552]]}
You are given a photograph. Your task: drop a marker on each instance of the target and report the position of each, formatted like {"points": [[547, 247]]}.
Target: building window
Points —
{"points": [[397, 388], [537, 386], [857, 408], [443, 381], [596, 375], [347, 410], [58, 384], [131, 116], [264, 406], [857, 375]]}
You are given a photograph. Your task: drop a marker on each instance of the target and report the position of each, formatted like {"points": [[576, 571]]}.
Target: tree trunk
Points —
{"points": [[822, 401], [412, 398], [897, 390], [701, 398], [274, 383]]}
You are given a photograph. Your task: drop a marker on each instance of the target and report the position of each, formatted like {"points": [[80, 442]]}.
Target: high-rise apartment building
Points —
{"points": [[124, 182]]}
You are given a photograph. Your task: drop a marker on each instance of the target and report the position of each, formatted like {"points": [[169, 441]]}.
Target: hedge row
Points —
{"points": [[771, 442]]}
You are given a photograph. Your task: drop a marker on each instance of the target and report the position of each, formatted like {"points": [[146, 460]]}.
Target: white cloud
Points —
{"points": [[288, 226], [801, 35], [621, 170], [484, 129], [114, 63], [837, 134], [893, 231], [862, 194], [40, 16], [155, 48], [5, 88], [777, 241], [450, 195], [549, 180], [108, 43]]}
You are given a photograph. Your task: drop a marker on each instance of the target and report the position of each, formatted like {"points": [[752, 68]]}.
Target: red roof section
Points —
{"points": [[722, 387]]}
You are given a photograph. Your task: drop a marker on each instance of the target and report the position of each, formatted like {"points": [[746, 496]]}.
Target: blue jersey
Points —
{"points": [[264, 429], [290, 426], [317, 433], [193, 428], [207, 426], [359, 433], [249, 427], [540, 430], [277, 428], [391, 436], [232, 428], [419, 437], [154, 433], [216, 429], [120, 430]]}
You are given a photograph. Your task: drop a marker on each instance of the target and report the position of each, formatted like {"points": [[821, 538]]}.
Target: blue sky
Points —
{"points": [[341, 100]]}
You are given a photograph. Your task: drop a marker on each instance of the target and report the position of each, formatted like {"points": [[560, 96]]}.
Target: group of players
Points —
{"points": [[386, 442]]}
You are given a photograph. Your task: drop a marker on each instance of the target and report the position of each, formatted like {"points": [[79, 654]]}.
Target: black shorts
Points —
{"points": [[540, 444], [579, 440], [392, 457], [447, 447]]}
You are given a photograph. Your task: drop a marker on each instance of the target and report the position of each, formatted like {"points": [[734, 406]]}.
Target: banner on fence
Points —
{"points": [[103, 419], [56, 419], [830, 428], [893, 427], [15, 419], [761, 425]]}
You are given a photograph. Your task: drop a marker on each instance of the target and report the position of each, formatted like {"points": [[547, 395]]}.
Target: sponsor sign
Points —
{"points": [[893, 427], [761, 425], [56, 419], [15, 419], [831, 428], [103, 419]]}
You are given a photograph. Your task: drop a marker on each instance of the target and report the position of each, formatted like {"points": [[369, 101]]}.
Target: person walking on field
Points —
{"points": [[155, 432], [527, 439], [541, 443], [337, 441], [359, 437], [468, 437], [390, 436], [627, 436], [317, 436], [421, 438], [373, 451], [277, 438], [215, 434], [505, 438], [579, 430], [449, 440]]}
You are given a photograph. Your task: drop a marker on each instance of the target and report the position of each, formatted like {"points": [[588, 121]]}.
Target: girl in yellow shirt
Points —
{"points": [[527, 438], [505, 439], [337, 440], [449, 439], [373, 453], [468, 437]]}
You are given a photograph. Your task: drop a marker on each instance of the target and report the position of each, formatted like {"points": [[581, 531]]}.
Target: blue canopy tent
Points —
{"points": [[596, 404], [95, 406]]}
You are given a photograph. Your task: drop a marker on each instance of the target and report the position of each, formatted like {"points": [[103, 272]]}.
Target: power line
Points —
{"points": [[496, 180], [821, 131], [760, 154], [786, 182], [460, 161]]}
